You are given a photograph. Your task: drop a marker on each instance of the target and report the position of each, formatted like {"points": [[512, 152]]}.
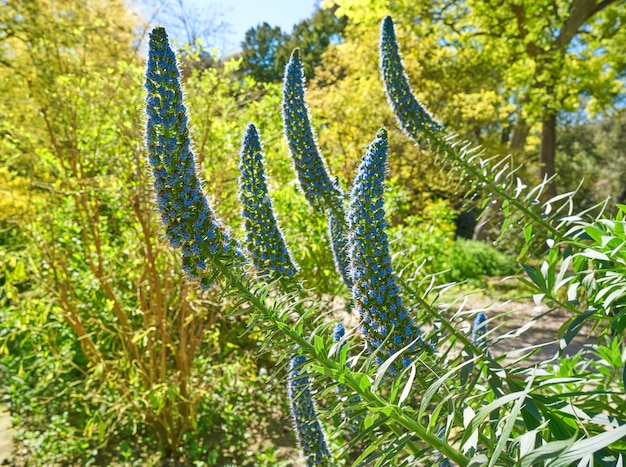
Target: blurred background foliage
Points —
{"points": [[108, 356]]}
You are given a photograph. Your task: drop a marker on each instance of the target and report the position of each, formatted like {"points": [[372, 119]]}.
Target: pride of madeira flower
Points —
{"points": [[479, 331], [306, 423], [318, 188], [190, 223], [264, 240], [324, 194], [413, 117], [385, 322]]}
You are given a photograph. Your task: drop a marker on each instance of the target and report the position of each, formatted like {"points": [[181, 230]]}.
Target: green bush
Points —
{"points": [[470, 259]]}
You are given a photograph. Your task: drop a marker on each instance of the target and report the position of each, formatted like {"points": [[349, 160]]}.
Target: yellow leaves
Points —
{"points": [[360, 11], [483, 106], [14, 196]]}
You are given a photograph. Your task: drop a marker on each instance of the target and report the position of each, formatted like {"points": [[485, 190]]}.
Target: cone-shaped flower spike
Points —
{"points": [[339, 332], [315, 182], [325, 195], [478, 333], [413, 117], [375, 292], [189, 221], [264, 240], [306, 423]]}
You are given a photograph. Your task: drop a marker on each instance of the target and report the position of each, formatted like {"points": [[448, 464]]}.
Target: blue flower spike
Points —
{"points": [[411, 115], [189, 221], [385, 321], [264, 240], [306, 423], [320, 191], [479, 332]]}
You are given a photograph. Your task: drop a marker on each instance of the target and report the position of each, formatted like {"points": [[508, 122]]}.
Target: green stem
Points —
{"points": [[333, 367]]}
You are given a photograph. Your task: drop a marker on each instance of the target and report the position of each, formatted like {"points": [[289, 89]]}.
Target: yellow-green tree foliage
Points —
{"points": [[501, 72], [349, 104], [103, 301]]}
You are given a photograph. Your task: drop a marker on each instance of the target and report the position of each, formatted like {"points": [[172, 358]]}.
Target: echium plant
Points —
{"points": [[264, 240], [404, 419], [319, 190], [385, 321], [190, 223], [306, 423], [479, 331], [412, 115], [266, 245], [324, 194]]}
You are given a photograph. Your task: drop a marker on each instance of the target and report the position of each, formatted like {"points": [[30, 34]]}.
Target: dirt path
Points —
{"points": [[525, 327], [6, 437]]}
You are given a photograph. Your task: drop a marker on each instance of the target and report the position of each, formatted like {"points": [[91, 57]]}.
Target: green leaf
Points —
{"points": [[587, 446], [574, 327], [545, 452]]}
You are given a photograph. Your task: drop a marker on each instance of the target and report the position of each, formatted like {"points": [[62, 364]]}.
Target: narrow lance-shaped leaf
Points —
{"points": [[352, 421], [375, 291], [306, 423], [190, 223], [264, 240]]}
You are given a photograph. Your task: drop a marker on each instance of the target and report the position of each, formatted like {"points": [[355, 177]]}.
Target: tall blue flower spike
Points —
{"points": [[339, 332], [413, 117], [375, 292], [320, 191], [324, 194], [306, 423], [190, 223], [264, 240], [478, 333]]}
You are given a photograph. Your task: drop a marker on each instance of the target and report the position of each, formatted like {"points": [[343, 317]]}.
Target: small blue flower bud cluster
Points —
{"points": [[306, 423], [339, 332], [314, 179], [375, 292], [478, 333], [413, 117], [189, 221], [264, 240]]}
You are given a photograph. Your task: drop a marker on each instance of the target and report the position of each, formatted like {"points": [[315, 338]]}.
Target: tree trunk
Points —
{"points": [[520, 133], [548, 150]]}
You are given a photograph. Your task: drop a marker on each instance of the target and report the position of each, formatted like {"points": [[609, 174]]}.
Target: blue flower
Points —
{"points": [[264, 240], [306, 423], [375, 292], [314, 179], [413, 117], [184, 208], [479, 332], [339, 332], [324, 194]]}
